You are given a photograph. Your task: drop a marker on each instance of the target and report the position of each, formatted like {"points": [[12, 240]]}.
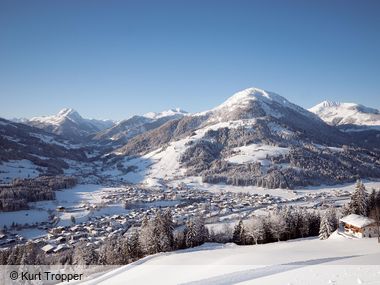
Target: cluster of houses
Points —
{"points": [[93, 232], [184, 203], [140, 201]]}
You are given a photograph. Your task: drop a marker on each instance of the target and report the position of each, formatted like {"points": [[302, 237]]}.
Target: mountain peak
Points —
{"points": [[244, 97], [67, 112], [241, 104], [167, 113]]}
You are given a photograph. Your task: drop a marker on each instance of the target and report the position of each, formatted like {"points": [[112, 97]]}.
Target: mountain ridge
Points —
{"points": [[341, 114]]}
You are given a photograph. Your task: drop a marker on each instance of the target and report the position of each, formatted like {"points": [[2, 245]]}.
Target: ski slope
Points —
{"points": [[338, 260]]}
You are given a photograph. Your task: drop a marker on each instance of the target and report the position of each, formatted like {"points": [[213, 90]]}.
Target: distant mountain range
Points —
{"points": [[348, 116], [255, 137], [124, 130], [70, 124]]}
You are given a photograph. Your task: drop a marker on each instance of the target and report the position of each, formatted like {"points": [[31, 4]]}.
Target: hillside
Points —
{"points": [[254, 138], [337, 260], [124, 130], [28, 152]]}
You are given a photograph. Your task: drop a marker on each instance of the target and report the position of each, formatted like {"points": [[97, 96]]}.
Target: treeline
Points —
{"points": [[17, 195], [363, 204], [280, 225]]}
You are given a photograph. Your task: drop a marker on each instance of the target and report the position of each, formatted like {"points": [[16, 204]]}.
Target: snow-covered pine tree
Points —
{"points": [[255, 230], [288, 217], [31, 254], [325, 229], [133, 243], [332, 217], [190, 234], [147, 236], [195, 232], [359, 201], [165, 227], [277, 226], [84, 255], [201, 230]]}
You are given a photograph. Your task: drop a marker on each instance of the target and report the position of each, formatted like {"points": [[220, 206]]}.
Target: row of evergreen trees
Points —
{"points": [[282, 224], [17, 195]]}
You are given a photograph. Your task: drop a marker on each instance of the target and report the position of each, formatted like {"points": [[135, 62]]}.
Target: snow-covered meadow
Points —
{"points": [[337, 260]]}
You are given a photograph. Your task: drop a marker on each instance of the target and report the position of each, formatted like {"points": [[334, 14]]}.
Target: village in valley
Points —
{"points": [[116, 211]]}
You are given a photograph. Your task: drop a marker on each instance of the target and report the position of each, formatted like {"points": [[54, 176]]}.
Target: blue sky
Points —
{"points": [[112, 59]]}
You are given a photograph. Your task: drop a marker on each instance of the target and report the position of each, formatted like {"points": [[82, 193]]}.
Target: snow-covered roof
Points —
{"points": [[48, 247], [357, 220]]}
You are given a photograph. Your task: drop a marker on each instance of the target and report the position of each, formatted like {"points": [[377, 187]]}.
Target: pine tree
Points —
{"points": [[332, 217], [359, 197], [255, 230], [288, 217], [325, 228], [304, 228], [134, 247], [190, 235], [200, 230], [85, 255], [31, 254], [195, 232], [114, 251], [146, 237], [372, 201], [277, 226], [239, 235], [165, 228]]}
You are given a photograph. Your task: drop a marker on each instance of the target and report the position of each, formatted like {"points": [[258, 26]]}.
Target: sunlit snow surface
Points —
{"points": [[336, 113], [297, 262]]}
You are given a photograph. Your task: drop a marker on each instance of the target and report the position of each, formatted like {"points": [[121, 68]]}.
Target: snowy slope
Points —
{"points": [[256, 153], [298, 262], [271, 103], [129, 128], [335, 113]]}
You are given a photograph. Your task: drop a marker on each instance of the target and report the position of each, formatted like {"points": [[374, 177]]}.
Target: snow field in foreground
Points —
{"points": [[296, 262]]}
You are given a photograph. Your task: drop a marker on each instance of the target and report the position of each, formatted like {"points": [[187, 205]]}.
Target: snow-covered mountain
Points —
{"points": [[345, 114], [70, 124], [255, 137], [271, 104], [28, 151], [177, 112], [129, 128]]}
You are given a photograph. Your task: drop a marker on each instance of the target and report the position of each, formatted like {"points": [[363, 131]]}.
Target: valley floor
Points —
{"points": [[338, 260]]}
